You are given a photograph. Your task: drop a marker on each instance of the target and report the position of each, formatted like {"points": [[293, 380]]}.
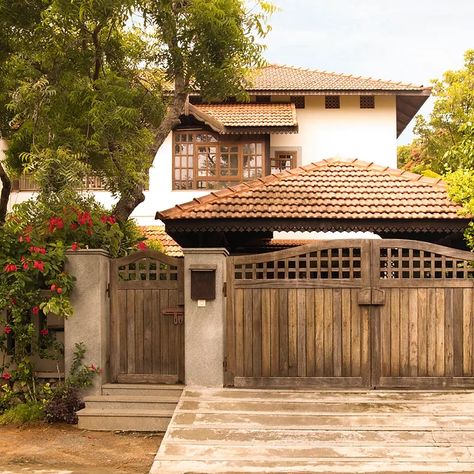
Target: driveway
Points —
{"points": [[292, 431]]}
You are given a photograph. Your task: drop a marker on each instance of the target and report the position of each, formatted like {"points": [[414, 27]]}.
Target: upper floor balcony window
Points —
{"points": [[203, 161]]}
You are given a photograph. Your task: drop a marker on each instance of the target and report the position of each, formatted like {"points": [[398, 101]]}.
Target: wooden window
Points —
{"points": [[298, 100], [26, 182], [367, 102], [202, 162], [283, 160], [332, 102]]}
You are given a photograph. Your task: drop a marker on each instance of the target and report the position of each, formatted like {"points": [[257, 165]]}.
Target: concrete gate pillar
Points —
{"points": [[90, 322], [204, 325]]}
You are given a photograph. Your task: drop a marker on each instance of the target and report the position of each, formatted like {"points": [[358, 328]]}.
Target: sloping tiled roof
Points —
{"points": [[170, 247], [252, 115], [330, 189], [286, 78]]}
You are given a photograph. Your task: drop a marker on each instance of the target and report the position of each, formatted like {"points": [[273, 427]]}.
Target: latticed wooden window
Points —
{"points": [[283, 160], [332, 102], [26, 182], [201, 161], [298, 100], [367, 102]]}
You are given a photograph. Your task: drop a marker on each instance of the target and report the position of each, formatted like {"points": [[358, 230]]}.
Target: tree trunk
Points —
{"points": [[126, 204], [5, 194]]}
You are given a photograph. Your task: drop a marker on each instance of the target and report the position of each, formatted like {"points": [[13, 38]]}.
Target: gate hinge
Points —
{"points": [[107, 290], [224, 364], [224, 288]]}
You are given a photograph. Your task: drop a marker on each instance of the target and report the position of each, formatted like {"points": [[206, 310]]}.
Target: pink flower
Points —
{"points": [[142, 246], [10, 267], [7, 329], [44, 332], [111, 220], [59, 290], [53, 287], [6, 376], [27, 239], [104, 219], [75, 246], [55, 223], [39, 265], [84, 218], [74, 226], [35, 310], [26, 266]]}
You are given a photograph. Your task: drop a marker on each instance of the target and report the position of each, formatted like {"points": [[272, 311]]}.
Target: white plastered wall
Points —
{"points": [[348, 132]]}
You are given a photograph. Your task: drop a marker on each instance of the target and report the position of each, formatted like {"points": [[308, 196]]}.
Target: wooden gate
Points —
{"points": [[351, 313], [147, 318]]}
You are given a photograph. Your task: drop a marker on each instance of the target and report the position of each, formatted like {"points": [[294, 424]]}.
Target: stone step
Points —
{"points": [[127, 402], [133, 390], [124, 420]]}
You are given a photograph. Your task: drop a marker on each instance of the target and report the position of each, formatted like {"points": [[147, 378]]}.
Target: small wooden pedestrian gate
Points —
{"points": [[147, 318], [351, 313]]}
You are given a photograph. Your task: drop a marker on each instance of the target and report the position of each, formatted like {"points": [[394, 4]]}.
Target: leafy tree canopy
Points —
{"points": [[102, 82]]}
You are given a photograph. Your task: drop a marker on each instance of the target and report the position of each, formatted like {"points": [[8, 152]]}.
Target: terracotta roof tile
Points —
{"points": [[251, 115], [285, 78], [330, 189], [170, 247]]}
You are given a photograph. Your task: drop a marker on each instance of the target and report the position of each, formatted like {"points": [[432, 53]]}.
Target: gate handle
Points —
{"points": [[371, 297]]}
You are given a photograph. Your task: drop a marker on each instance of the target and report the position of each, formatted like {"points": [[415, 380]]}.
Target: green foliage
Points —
{"points": [[23, 413], [445, 142], [88, 81]]}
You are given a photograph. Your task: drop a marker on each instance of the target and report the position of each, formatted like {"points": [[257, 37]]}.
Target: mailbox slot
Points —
{"points": [[203, 282]]}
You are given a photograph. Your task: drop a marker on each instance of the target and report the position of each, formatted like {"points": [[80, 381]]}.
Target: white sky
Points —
{"points": [[403, 40]]}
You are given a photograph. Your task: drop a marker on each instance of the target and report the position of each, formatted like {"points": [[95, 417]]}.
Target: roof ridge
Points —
{"points": [[342, 74]]}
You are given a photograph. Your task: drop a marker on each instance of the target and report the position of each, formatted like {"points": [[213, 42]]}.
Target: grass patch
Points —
{"points": [[22, 414]]}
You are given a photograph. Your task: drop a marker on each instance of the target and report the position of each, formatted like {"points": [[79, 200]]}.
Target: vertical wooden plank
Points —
{"points": [[310, 333], [356, 341], [431, 331], [275, 333], [239, 332], [139, 331], [248, 329], [230, 323], [266, 333], [131, 356], [394, 332], [155, 331], [413, 332], [422, 333], [440, 337], [301, 336], [457, 315], [173, 334], [448, 332], [114, 323], [292, 332], [337, 332], [147, 333], [257, 332], [282, 348], [404, 333], [123, 324], [328, 333], [365, 368], [468, 341], [319, 331], [385, 343], [164, 334], [346, 332]]}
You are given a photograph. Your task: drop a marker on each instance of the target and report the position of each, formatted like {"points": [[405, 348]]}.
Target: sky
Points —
{"points": [[404, 40]]}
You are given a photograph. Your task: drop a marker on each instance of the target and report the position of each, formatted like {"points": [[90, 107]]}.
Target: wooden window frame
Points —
{"points": [[367, 102], [277, 157], [219, 178]]}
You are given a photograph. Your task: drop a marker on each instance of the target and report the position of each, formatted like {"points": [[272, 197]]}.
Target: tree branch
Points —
{"points": [[5, 194]]}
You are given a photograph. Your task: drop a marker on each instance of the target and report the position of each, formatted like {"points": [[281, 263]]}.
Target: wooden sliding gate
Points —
{"points": [[147, 318], [351, 313]]}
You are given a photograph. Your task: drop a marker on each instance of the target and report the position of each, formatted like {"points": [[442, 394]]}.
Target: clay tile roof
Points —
{"points": [[170, 247], [329, 189], [252, 115], [285, 78]]}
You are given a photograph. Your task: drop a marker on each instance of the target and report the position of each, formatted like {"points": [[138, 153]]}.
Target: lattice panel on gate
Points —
{"points": [[148, 269], [407, 263], [334, 263]]}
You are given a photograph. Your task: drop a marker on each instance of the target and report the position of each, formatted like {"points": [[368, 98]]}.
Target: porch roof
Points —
{"points": [[330, 195]]}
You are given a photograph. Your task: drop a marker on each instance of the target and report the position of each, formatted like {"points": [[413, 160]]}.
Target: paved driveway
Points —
{"points": [[245, 431]]}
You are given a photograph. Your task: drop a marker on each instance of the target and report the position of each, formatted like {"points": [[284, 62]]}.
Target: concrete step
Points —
{"points": [[127, 402], [124, 420], [133, 390]]}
